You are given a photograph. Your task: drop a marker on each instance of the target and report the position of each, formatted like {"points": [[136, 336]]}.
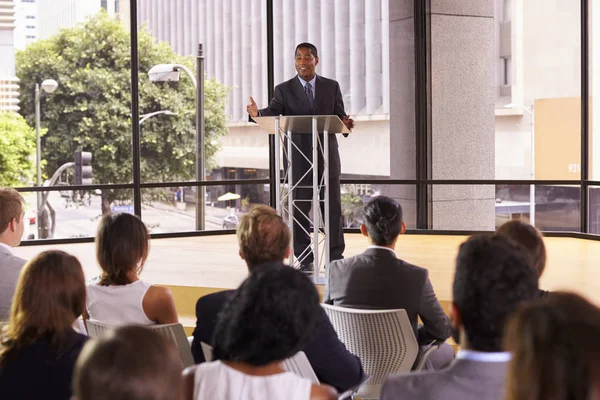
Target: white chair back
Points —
{"points": [[383, 340], [297, 364], [173, 332]]}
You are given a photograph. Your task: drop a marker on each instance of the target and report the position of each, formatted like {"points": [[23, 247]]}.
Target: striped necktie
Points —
{"points": [[309, 94]]}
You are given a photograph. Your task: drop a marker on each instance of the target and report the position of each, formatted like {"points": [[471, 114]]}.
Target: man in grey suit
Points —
{"points": [[493, 276], [377, 279], [11, 231], [310, 94]]}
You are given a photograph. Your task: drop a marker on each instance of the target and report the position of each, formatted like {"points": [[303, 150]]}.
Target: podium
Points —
{"points": [[285, 128]]}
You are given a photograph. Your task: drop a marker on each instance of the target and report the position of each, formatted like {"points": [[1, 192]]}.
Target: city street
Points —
{"points": [[80, 220]]}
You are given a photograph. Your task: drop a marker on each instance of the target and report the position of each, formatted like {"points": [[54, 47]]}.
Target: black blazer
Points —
{"points": [[290, 99], [330, 359], [377, 279], [39, 372]]}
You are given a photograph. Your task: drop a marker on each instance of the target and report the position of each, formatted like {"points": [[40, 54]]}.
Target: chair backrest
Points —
{"points": [[383, 339], [297, 364], [173, 332]]}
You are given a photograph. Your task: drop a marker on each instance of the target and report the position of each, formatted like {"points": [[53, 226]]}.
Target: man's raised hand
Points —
{"points": [[252, 108]]}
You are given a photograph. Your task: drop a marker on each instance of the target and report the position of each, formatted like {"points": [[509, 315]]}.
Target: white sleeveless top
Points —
{"points": [[117, 305], [215, 380]]}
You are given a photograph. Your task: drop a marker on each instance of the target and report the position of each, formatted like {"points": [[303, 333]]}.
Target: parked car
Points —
{"points": [[230, 222]]}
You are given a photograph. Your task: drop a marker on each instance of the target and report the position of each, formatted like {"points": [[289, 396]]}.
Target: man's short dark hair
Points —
{"points": [[493, 276], [263, 237], [383, 218], [310, 46], [271, 316]]}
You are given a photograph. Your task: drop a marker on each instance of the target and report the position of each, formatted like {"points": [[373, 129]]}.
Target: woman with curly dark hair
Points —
{"points": [[271, 317], [39, 346]]}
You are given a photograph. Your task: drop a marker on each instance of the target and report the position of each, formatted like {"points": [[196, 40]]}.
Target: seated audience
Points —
{"points": [[38, 346], [271, 317], [377, 279], [130, 363], [493, 276], [11, 231], [263, 237], [532, 242], [556, 355], [118, 296]]}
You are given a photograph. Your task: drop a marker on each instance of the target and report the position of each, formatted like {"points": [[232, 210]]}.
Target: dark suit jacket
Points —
{"points": [[462, 380], [377, 279], [330, 359], [290, 99]]}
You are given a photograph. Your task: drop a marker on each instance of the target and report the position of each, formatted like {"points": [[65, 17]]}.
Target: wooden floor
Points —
{"points": [[213, 261]]}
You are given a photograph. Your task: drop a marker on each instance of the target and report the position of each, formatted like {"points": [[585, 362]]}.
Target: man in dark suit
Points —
{"points": [[264, 239], [310, 94], [377, 279], [493, 276]]}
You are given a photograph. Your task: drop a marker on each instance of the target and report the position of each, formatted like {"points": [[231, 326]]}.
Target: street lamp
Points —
{"points": [[48, 86], [170, 73], [531, 113], [144, 117]]}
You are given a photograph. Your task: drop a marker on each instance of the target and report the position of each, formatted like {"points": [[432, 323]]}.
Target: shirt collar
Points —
{"points": [[7, 247], [312, 82], [373, 246], [500, 356]]}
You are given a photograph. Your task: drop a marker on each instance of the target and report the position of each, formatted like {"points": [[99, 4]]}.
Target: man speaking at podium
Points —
{"points": [[310, 94]]}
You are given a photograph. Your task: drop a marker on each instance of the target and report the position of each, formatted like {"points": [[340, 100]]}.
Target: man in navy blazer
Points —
{"points": [[310, 94], [264, 239]]}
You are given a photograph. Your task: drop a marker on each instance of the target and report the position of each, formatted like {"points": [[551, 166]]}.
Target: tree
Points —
{"points": [[91, 108], [17, 150]]}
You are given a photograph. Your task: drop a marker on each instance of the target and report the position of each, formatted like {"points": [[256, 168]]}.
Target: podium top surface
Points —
{"points": [[303, 124]]}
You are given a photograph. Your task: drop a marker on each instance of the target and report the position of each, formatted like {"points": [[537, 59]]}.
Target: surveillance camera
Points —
{"points": [[164, 72]]}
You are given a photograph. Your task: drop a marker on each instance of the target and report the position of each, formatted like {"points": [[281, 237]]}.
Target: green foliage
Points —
{"points": [[92, 106], [17, 150]]}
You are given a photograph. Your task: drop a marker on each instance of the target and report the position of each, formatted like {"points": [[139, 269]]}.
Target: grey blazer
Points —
{"points": [[10, 268], [462, 380], [377, 279], [290, 99]]}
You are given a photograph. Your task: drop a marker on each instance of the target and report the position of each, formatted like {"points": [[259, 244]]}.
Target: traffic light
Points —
{"points": [[83, 168]]}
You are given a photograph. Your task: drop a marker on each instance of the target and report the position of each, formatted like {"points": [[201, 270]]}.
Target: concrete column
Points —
{"points": [[301, 27], [401, 66], [236, 61], [314, 23], [357, 56], [180, 26], [255, 88], [279, 14], [342, 48], [327, 49], [289, 39], [462, 112], [210, 50], [385, 56], [373, 55], [219, 54]]}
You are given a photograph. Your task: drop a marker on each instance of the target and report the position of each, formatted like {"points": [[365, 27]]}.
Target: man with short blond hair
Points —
{"points": [[264, 239], [11, 231]]}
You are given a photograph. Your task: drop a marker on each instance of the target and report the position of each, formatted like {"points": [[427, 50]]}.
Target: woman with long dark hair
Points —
{"points": [[38, 345], [118, 296]]}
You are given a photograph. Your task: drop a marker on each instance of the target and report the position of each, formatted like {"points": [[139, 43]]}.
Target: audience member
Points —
{"points": [[493, 276], [271, 317], [130, 363], [11, 231], [263, 237], [531, 240], [118, 296], [377, 279], [556, 355], [39, 347]]}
